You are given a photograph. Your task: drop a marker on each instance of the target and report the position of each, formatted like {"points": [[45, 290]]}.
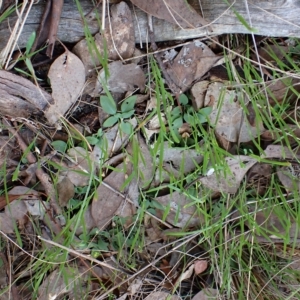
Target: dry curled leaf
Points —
{"points": [[67, 77]]}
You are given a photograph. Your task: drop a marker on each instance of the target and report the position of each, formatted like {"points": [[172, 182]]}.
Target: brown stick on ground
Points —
{"points": [[48, 27], [56, 10], [42, 32]]}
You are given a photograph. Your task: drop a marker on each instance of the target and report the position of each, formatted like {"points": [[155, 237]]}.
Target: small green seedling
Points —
{"points": [[127, 111], [27, 58], [189, 115]]}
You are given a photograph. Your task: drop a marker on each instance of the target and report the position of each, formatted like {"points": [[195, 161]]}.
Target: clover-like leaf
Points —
{"points": [[128, 104], [108, 105], [189, 119], [183, 99], [59, 146], [110, 121], [92, 140], [126, 127], [175, 113], [206, 111], [177, 123], [127, 114]]}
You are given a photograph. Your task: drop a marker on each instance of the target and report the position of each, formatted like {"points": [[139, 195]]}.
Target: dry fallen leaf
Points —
{"points": [[238, 166], [87, 224], [178, 12], [25, 202], [272, 221], [289, 177], [258, 178], [162, 296], [200, 266], [270, 52], [207, 294], [181, 213], [117, 40], [198, 92], [176, 162], [185, 275], [122, 78], [80, 171], [278, 151], [228, 114], [134, 286], [292, 133], [108, 202], [281, 89], [7, 223], [192, 62], [65, 190], [67, 77], [55, 286]]}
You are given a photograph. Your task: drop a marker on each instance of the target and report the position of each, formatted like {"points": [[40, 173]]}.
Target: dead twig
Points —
{"points": [[49, 26]]}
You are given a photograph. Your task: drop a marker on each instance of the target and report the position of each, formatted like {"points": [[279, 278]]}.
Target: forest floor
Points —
{"points": [[160, 170]]}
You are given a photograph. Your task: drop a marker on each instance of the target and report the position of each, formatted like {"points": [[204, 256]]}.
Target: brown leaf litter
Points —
{"points": [[130, 171]]}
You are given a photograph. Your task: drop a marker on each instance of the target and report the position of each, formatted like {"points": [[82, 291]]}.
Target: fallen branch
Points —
{"points": [[270, 18]]}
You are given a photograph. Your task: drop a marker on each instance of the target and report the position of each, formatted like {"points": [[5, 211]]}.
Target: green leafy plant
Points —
{"points": [[95, 138], [59, 146], [127, 110], [26, 57], [188, 114]]}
